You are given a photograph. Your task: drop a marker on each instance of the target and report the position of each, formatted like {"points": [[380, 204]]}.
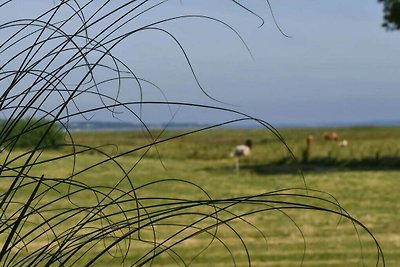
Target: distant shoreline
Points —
{"points": [[123, 126]]}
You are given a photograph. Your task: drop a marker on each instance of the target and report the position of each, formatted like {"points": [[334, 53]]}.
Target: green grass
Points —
{"points": [[368, 191], [370, 146]]}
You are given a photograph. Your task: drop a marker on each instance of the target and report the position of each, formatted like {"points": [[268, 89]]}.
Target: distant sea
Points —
{"points": [[124, 126]]}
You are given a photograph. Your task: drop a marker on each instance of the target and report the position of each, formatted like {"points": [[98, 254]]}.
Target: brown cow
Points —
{"points": [[310, 140], [332, 136]]}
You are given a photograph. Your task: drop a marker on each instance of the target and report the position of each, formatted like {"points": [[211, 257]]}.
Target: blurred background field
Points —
{"points": [[368, 147], [363, 177]]}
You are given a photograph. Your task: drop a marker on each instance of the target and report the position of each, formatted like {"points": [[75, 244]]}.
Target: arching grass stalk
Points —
{"points": [[61, 65]]}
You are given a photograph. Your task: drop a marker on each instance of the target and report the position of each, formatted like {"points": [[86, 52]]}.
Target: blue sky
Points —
{"points": [[338, 66]]}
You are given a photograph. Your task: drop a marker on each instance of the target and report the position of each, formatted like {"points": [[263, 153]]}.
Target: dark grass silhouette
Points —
{"points": [[48, 64], [326, 164]]}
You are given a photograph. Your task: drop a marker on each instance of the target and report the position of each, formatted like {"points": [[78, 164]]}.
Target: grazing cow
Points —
{"points": [[310, 140], [343, 143], [306, 153], [331, 136], [241, 151]]}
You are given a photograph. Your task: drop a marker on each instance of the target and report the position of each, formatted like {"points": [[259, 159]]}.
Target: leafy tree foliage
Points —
{"points": [[391, 9], [27, 133]]}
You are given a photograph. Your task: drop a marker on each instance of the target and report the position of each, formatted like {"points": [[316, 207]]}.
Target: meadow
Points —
{"points": [[362, 177]]}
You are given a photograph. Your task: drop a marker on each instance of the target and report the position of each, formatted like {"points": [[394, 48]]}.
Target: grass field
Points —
{"points": [[363, 178]]}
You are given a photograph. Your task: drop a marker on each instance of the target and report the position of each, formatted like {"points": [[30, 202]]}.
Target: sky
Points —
{"points": [[338, 65]]}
